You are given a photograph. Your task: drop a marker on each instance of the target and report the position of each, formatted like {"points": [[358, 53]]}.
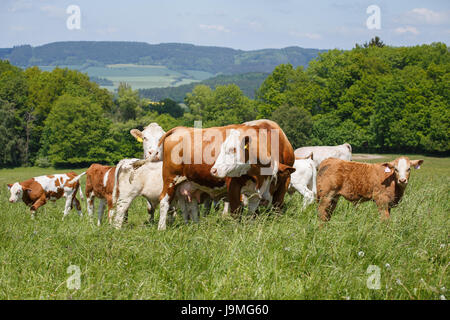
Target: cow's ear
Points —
{"points": [[9, 186], [416, 163], [137, 134], [388, 167], [286, 169]]}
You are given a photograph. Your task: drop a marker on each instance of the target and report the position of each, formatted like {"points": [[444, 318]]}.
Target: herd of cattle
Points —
{"points": [[249, 164]]}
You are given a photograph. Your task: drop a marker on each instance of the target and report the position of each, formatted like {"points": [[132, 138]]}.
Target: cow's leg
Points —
{"points": [[68, 194], [36, 205], [193, 210], [90, 203], [207, 205], [164, 205], [308, 195], [110, 208], [253, 203], [101, 209], [384, 209], [122, 205], [278, 196], [151, 211], [326, 207], [77, 204], [234, 196]]}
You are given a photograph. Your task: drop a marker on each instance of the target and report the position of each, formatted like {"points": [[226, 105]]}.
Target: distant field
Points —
{"points": [[284, 256], [140, 76]]}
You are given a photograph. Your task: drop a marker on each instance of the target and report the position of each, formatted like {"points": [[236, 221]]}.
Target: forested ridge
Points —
{"points": [[376, 97], [175, 56]]}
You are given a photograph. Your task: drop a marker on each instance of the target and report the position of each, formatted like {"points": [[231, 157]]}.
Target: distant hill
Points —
{"points": [[248, 82], [174, 56]]}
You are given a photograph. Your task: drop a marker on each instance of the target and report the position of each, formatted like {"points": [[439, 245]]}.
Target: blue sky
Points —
{"points": [[243, 24]]}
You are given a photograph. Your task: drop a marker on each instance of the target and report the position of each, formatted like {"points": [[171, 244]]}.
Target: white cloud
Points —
{"points": [[407, 29], [426, 16], [54, 11], [309, 35], [214, 27], [20, 5]]}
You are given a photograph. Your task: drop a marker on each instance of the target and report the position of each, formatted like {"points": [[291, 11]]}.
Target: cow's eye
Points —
{"points": [[409, 169], [396, 170]]}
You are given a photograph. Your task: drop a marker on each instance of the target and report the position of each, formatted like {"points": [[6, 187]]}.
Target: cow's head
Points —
{"points": [[231, 160], [16, 191], [150, 137], [401, 168]]}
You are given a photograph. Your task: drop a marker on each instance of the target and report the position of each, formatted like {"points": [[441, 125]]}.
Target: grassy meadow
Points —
{"points": [[139, 76], [287, 256]]}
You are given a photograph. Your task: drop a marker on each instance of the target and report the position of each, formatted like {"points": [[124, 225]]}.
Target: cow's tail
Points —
{"points": [[77, 178], [314, 178], [115, 193]]}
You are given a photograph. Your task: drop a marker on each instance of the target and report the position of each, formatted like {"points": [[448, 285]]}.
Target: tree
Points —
{"points": [[168, 106], [76, 133], [296, 123], [127, 101]]}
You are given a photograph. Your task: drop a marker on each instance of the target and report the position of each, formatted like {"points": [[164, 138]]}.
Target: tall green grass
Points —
{"points": [[287, 256]]}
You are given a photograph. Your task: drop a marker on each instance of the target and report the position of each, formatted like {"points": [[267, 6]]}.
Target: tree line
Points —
{"points": [[376, 97]]}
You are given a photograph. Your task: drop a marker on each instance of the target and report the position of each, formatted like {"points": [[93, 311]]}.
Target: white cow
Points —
{"points": [[304, 179], [343, 151], [136, 177]]}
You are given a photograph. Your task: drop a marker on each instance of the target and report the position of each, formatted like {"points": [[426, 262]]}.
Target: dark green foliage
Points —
{"points": [[375, 97], [296, 123], [247, 82], [76, 133], [168, 106]]}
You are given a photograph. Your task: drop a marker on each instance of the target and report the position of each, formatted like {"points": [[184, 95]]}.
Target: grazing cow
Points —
{"points": [[343, 151], [35, 192], [384, 183], [258, 158], [100, 184], [304, 179]]}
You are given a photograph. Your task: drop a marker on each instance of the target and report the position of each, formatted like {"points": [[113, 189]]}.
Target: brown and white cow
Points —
{"points": [[190, 153], [383, 183], [35, 192], [100, 184], [258, 157]]}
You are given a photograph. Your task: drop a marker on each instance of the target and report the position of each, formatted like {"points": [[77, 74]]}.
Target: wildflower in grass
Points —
{"points": [[442, 297], [387, 266], [443, 289], [361, 254], [398, 281]]}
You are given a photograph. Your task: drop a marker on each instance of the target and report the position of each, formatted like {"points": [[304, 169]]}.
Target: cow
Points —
{"points": [[100, 183], [246, 157], [383, 183], [150, 138], [343, 151], [303, 179], [35, 192], [135, 177]]}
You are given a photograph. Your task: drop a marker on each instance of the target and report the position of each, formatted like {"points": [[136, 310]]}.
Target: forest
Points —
{"points": [[376, 97]]}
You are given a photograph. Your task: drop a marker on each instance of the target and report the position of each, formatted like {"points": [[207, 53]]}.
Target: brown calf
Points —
{"points": [[383, 183], [100, 184]]}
